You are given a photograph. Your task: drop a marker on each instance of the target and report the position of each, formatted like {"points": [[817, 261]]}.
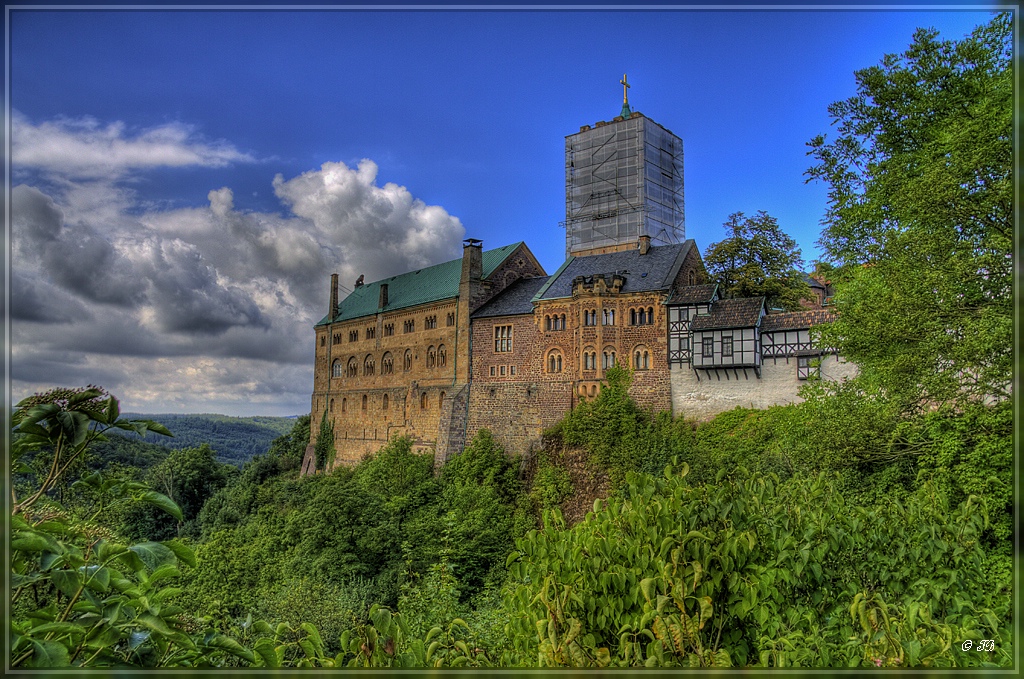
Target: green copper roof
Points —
{"points": [[625, 112], [430, 284]]}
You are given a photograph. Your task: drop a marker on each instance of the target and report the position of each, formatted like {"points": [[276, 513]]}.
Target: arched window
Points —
{"points": [[331, 407], [369, 367], [407, 361], [384, 402], [609, 317], [689, 278], [364, 401], [650, 315], [562, 320], [336, 368], [589, 359], [440, 400], [641, 358], [593, 391], [423, 401], [450, 320], [608, 359], [353, 367], [547, 323], [555, 362], [632, 317], [344, 405], [387, 364], [442, 356]]}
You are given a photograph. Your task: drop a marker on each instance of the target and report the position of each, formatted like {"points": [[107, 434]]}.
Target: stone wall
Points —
{"points": [[703, 398], [451, 429]]}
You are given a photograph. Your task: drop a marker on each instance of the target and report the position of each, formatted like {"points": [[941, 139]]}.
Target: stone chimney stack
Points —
{"points": [[644, 245], [471, 291], [472, 270], [383, 301], [333, 309]]}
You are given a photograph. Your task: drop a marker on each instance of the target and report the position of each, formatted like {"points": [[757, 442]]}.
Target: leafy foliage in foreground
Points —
{"points": [[755, 571]]}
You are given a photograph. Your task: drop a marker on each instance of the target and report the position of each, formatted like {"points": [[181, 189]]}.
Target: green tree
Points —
{"points": [[189, 476], [324, 449], [757, 259], [920, 218]]}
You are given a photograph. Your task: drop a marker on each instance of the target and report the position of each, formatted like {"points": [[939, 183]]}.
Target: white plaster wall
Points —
{"points": [[778, 385]]}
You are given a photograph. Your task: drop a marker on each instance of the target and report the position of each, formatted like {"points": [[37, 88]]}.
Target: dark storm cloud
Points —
{"points": [[79, 259], [186, 294], [39, 302]]}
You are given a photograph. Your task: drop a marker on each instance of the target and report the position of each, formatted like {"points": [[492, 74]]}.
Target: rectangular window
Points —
{"points": [[708, 348], [502, 338], [353, 336], [389, 329], [808, 367], [492, 371], [371, 333], [511, 370], [502, 371], [726, 346]]}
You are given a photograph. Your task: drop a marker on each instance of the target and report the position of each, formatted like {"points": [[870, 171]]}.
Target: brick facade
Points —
{"points": [[521, 351], [404, 372]]}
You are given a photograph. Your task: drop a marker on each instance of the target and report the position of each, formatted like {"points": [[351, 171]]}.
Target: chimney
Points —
{"points": [[383, 301], [644, 245], [359, 281], [472, 261], [333, 310]]}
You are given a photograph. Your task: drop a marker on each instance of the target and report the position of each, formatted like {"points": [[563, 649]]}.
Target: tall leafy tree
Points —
{"points": [[920, 218], [757, 259]]}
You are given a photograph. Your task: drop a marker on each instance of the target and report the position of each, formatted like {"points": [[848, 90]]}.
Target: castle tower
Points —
{"points": [[623, 180]]}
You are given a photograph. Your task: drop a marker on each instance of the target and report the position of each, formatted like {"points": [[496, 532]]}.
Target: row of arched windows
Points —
{"points": [[641, 359], [590, 358], [437, 357], [607, 317], [554, 322], [641, 316], [385, 402]]}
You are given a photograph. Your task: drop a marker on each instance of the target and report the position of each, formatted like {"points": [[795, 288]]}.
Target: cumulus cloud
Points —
{"points": [[83, 147], [200, 308], [374, 230]]}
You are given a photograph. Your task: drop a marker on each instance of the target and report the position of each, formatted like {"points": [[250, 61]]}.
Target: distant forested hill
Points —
{"points": [[234, 440]]}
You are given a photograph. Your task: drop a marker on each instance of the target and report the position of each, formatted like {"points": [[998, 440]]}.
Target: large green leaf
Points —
{"points": [[68, 582], [182, 551], [265, 649], [49, 654], [225, 643], [152, 555]]}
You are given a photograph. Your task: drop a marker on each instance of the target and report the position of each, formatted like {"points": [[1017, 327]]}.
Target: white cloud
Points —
{"points": [[374, 230], [197, 309], [84, 148]]}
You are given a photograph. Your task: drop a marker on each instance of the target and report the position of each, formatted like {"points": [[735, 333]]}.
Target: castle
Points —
{"points": [[492, 341]]}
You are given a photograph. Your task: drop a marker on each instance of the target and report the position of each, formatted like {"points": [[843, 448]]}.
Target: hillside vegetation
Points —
{"points": [[869, 526], [234, 440]]}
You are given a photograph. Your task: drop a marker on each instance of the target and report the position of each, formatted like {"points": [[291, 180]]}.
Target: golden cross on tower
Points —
{"points": [[625, 86]]}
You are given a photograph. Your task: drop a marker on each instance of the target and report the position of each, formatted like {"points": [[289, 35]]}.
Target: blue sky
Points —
{"points": [[183, 183]]}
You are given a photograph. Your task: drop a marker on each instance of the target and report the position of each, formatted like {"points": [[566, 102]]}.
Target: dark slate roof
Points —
{"points": [[694, 294], [429, 284], [796, 320], [813, 282], [643, 273], [513, 300], [730, 313]]}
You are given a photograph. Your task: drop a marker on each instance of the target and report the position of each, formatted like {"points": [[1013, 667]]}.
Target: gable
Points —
{"points": [[422, 286]]}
